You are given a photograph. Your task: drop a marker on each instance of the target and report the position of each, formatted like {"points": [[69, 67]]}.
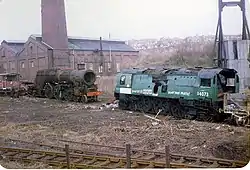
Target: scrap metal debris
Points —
{"points": [[110, 105]]}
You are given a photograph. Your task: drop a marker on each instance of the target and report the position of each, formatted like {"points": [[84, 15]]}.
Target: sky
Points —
{"points": [[123, 19]]}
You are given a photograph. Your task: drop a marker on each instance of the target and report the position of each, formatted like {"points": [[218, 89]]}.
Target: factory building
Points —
{"points": [[54, 48], [28, 57]]}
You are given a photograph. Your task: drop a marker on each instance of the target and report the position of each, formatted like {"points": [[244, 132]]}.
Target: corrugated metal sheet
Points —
{"points": [[241, 64]]}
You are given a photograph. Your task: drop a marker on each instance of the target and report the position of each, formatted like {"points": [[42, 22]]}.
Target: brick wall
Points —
{"points": [[34, 57], [113, 63]]}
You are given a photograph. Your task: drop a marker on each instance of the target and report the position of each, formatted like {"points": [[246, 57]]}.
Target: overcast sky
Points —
{"points": [[124, 19]]}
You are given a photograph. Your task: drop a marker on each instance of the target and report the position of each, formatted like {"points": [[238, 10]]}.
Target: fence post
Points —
{"points": [[167, 154], [128, 156], [67, 155]]}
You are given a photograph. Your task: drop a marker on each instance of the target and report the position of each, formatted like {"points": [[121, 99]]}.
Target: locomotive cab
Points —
{"points": [[227, 81]]}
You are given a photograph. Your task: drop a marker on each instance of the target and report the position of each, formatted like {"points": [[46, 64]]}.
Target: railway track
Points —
{"points": [[59, 159], [139, 158]]}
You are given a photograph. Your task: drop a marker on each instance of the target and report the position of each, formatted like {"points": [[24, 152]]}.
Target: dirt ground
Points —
{"points": [[47, 121]]}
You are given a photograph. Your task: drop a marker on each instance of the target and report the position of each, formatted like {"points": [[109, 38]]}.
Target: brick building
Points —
{"points": [[28, 57], [55, 49]]}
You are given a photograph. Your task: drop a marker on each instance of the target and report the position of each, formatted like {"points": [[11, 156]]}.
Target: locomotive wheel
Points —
{"points": [[203, 116], [176, 111], [48, 91], [75, 99], [133, 106], [140, 105], [147, 105], [57, 92], [84, 99], [157, 105], [68, 96], [16, 94], [122, 104], [12, 93]]}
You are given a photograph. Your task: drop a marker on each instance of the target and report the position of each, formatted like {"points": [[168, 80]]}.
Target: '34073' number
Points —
{"points": [[203, 94]]}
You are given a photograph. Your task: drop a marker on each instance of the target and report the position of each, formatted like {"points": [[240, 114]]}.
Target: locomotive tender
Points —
{"points": [[65, 84], [193, 93]]}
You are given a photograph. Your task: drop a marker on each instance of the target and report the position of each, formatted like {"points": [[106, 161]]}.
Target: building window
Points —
{"points": [[100, 69], [81, 66], [118, 69], [91, 66], [12, 65], [32, 63], [31, 49], [235, 50], [5, 66], [22, 65], [3, 53], [109, 67]]}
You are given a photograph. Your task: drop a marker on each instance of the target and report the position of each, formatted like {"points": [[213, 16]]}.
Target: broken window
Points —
{"points": [[206, 82], [81, 66]]}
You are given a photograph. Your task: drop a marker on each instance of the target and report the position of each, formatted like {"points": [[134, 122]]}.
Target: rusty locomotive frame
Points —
{"points": [[58, 83]]}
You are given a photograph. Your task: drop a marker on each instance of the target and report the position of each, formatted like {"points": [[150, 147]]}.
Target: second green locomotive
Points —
{"points": [[194, 93]]}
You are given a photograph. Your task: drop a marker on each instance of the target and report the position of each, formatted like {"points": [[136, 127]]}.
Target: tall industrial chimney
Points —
{"points": [[54, 28], [54, 32]]}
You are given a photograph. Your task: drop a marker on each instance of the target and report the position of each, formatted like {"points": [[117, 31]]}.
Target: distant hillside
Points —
{"points": [[190, 51]]}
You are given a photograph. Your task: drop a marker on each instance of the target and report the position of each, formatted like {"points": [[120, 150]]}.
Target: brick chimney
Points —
{"points": [[54, 28], [54, 31]]}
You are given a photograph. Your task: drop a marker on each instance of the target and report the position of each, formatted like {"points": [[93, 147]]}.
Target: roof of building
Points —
{"points": [[84, 44], [15, 45]]}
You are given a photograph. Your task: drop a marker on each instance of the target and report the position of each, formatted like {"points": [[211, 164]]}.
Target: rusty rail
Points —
{"points": [[59, 159], [151, 156]]}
